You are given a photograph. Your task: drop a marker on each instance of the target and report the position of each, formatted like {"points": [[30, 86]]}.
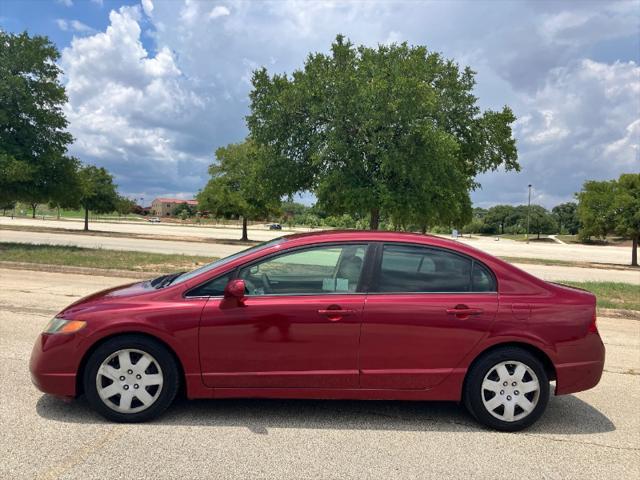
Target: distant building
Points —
{"points": [[164, 207]]}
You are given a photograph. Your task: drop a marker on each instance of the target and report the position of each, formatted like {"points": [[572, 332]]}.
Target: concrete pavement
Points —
{"points": [[592, 434]]}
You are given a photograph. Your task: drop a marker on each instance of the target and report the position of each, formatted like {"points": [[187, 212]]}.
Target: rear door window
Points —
{"points": [[406, 268]]}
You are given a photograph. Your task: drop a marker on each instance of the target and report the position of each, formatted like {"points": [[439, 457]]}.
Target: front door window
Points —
{"points": [[312, 271]]}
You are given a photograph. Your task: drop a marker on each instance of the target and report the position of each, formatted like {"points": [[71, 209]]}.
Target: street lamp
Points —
{"points": [[529, 213]]}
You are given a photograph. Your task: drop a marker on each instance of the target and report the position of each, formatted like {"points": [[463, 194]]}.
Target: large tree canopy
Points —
{"points": [[239, 185], [393, 130], [34, 166]]}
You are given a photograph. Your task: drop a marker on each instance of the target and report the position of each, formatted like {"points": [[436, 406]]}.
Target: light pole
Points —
{"points": [[529, 213]]}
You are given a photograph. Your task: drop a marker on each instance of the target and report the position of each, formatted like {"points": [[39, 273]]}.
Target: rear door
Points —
{"points": [[426, 310]]}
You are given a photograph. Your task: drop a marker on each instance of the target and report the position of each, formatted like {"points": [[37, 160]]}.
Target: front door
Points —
{"points": [[428, 308], [298, 327]]}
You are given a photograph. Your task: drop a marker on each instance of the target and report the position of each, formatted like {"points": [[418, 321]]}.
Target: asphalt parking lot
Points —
{"points": [[593, 434]]}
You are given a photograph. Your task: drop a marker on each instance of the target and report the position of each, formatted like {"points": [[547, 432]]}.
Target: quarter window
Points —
{"points": [[313, 271], [213, 288], [420, 269], [481, 279]]}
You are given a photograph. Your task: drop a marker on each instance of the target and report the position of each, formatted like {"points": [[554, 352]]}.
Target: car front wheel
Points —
{"points": [[130, 379], [507, 389]]}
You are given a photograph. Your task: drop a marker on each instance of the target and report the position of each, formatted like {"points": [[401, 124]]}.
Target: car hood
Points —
{"points": [[110, 295]]}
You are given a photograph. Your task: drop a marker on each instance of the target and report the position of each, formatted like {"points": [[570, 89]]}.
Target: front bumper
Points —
{"points": [[54, 364]]}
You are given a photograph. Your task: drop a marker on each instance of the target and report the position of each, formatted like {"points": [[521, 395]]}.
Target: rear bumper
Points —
{"points": [[576, 377], [53, 364], [582, 374]]}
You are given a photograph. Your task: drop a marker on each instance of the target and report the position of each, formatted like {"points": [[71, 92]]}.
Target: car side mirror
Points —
{"points": [[235, 289]]}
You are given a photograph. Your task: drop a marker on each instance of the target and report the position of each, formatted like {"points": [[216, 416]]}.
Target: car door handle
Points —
{"points": [[463, 312], [335, 314]]}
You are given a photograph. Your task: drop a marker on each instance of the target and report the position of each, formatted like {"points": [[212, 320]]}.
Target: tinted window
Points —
{"points": [[319, 270], [482, 280], [213, 288], [419, 269]]}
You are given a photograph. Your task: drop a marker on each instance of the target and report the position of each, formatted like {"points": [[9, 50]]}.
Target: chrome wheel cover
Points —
{"points": [[510, 391], [129, 381]]}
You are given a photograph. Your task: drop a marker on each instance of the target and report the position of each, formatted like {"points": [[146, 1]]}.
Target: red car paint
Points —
{"points": [[412, 346]]}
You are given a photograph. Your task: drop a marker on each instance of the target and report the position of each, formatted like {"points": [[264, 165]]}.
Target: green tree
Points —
{"points": [[7, 205], [390, 131], [97, 192], [124, 205], [239, 185], [626, 205], [184, 211], [595, 209], [34, 166], [541, 221], [566, 216], [499, 216]]}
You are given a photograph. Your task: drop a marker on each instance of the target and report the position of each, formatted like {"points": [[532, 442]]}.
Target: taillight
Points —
{"points": [[593, 328]]}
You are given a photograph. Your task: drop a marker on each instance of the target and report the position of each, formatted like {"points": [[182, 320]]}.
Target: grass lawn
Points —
{"points": [[543, 261], [99, 258], [612, 294]]}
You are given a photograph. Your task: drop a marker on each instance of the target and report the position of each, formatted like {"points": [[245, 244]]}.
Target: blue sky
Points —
{"points": [[156, 86]]}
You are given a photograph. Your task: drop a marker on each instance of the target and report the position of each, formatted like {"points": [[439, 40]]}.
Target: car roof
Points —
{"points": [[377, 236]]}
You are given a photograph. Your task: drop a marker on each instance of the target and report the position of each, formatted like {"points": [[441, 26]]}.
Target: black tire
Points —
{"points": [[473, 391], [159, 352]]}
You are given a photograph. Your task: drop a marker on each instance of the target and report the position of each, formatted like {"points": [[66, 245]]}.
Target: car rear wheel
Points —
{"points": [[507, 389], [131, 379]]}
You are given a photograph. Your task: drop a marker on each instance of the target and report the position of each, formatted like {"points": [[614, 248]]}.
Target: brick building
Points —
{"points": [[164, 207]]}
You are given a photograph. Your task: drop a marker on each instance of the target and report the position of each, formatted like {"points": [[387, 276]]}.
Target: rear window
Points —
{"points": [[406, 268]]}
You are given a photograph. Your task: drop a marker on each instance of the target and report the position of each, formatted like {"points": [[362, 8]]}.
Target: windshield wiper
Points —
{"points": [[167, 279]]}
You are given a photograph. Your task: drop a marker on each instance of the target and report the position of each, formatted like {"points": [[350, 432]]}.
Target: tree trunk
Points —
{"points": [[538, 235], [374, 222], [634, 251], [502, 228], [86, 219], [423, 229], [58, 213], [33, 207], [245, 237]]}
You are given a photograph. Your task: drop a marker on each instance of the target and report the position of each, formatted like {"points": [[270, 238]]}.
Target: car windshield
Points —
{"points": [[223, 261]]}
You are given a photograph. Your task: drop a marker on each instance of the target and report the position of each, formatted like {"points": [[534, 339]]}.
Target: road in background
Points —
{"points": [[259, 233], [546, 272], [592, 434], [503, 247]]}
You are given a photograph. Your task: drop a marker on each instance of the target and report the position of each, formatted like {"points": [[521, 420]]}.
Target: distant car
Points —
{"points": [[330, 315], [275, 226], [154, 220]]}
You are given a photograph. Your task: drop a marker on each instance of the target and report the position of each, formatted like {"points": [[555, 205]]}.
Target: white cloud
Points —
{"points": [[98, 2], [73, 26], [147, 6], [128, 110], [584, 123], [219, 11], [66, 3]]}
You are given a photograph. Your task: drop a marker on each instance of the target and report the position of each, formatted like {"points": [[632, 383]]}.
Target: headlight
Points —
{"points": [[60, 325]]}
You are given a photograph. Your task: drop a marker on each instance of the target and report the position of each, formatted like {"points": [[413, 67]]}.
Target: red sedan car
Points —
{"points": [[334, 315]]}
